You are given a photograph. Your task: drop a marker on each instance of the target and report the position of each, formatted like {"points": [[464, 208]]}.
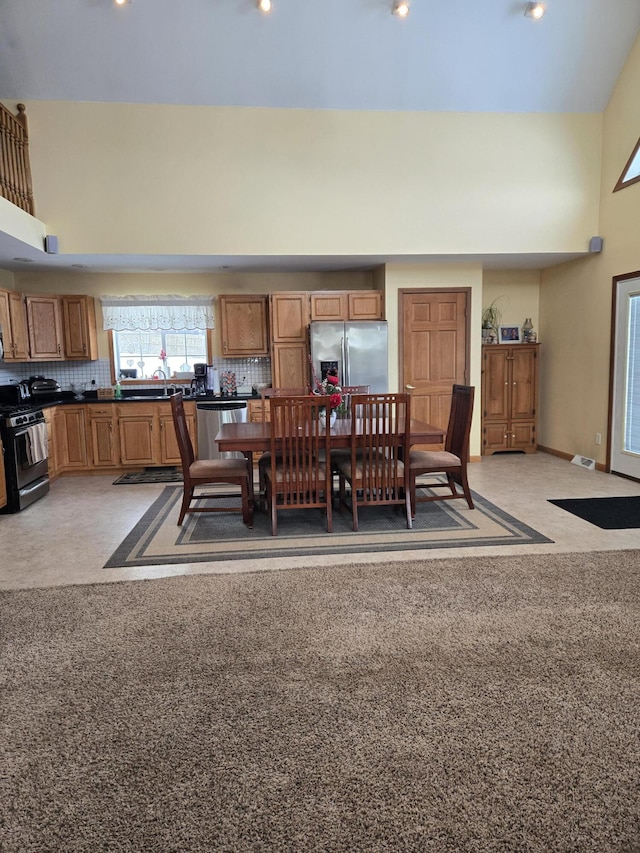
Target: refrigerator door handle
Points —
{"points": [[345, 360]]}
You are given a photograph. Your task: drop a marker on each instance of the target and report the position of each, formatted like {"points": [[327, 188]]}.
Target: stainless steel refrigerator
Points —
{"points": [[357, 348]]}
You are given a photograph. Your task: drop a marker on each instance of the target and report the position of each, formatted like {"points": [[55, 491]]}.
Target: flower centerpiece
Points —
{"points": [[329, 387]]}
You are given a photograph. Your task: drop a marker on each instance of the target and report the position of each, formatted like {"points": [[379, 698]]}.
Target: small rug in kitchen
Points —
{"points": [[208, 537], [169, 474]]}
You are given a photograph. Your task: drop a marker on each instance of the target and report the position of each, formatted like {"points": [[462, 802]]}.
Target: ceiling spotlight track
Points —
{"points": [[400, 8], [534, 10]]}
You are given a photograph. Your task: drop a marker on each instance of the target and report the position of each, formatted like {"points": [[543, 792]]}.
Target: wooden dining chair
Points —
{"points": [[452, 461], [206, 472], [340, 455], [375, 468], [266, 394], [298, 476]]}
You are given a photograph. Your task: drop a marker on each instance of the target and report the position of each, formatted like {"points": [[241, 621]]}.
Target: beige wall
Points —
{"points": [[145, 179], [517, 293], [575, 299]]}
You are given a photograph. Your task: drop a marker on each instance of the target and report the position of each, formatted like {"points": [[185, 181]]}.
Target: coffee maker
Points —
{"points": [[199, 383]]}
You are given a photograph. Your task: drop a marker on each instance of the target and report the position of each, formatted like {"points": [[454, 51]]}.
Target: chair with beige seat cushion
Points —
{"points": [[375, 468], [266, 394], [207, 472], [297, 476], [452, 461]]}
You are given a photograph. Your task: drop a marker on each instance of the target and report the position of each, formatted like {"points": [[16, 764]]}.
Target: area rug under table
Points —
{"points": [[205, 537]]}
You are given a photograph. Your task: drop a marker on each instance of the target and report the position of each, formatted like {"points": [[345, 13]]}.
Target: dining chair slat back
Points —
{"points": [[207, 472], [298, 476], [380, 441], [452, 461]]}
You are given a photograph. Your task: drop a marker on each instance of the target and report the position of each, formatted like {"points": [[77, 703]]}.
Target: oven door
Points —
{"points": [[30, 465]]}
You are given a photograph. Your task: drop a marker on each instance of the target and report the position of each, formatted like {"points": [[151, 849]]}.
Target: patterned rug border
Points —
{"points": [[132, 550]]}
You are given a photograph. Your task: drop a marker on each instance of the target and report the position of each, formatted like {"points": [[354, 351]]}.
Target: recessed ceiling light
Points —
{"points": [[122, 2], [264, 5], [534, 10], [400, 8]]}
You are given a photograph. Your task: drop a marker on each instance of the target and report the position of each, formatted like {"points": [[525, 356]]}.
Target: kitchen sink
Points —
{"points": [[148, 397]]}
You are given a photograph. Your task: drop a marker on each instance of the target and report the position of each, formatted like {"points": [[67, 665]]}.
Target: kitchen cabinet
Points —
{"points": [[137, 429], [13, 318], [147, 435], [290, 316], [329, 305], [346, 305], [509, 397], [169, 450], [104, 449], [44, 320], [244, 324], [79, 326], [72, 452], [290, 365], [49, 415], [3, 482], [365, 305]]}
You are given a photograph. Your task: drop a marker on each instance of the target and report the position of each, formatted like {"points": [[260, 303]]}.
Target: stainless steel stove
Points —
{"points": [[24, 436]]}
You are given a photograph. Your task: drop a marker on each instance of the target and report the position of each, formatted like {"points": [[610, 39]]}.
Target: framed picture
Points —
{"points": [[509, 335]]}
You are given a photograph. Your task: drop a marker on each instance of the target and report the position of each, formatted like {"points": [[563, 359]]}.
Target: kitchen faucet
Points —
{"points": [[164, 379]]}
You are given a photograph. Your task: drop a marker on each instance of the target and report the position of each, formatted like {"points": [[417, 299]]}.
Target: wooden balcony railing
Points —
{"points": [[15, 170]]}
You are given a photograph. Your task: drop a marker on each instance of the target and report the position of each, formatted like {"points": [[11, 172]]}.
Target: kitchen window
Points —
{"points": [[157, 333], [137, 355]]}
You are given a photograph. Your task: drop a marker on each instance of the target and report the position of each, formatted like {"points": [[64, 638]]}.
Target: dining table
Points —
{"points": [[249, 438]]}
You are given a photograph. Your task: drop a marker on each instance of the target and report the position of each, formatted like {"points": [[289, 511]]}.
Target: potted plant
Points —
{"points": [[491, 320]]}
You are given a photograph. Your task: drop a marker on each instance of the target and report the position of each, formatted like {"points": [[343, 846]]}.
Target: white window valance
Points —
{"points": [[152, 313]]}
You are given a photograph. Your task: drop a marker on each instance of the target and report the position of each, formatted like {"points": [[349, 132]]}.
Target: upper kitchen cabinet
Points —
{"points": [[290, 316], [44, 320], [245, 328], [79, 323], [13, 319], [365, 305], [346, 305], [329, 305]]}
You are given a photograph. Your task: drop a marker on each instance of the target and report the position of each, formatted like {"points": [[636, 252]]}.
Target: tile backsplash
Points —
{"points": [[248, 371]]}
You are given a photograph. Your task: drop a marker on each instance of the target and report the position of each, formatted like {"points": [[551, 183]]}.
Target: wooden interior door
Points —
{"points": [[434, 349]]}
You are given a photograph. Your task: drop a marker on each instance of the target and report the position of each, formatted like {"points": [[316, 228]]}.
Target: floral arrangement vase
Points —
{"points": [[323, 419]]}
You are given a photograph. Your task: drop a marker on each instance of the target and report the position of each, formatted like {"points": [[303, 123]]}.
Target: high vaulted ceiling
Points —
{"points": [[452, 55]]}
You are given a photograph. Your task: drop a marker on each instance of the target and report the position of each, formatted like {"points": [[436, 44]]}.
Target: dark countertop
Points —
{"points": [[67, 398]]}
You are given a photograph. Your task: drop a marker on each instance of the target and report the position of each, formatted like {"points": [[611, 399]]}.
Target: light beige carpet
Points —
{"points": [[438, 705]]}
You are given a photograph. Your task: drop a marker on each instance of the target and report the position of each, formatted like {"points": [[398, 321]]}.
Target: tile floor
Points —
{"points": [[68, 536]]}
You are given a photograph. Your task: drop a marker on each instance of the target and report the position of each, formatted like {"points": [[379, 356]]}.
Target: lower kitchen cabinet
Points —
{"points": [[136, 423], [71, 435], [104, 451], [147, 435], [169, 450], [107, 436]]}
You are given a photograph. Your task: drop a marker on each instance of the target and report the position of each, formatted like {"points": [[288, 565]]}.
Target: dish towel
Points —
{"points": [[36, 444]]}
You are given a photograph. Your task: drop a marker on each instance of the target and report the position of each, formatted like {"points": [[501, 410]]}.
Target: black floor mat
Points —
{"points": [[150, 475], [607, 513]]}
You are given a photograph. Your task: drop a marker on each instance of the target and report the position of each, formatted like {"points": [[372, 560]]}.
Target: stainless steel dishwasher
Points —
{"points": [[211, 414]]}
